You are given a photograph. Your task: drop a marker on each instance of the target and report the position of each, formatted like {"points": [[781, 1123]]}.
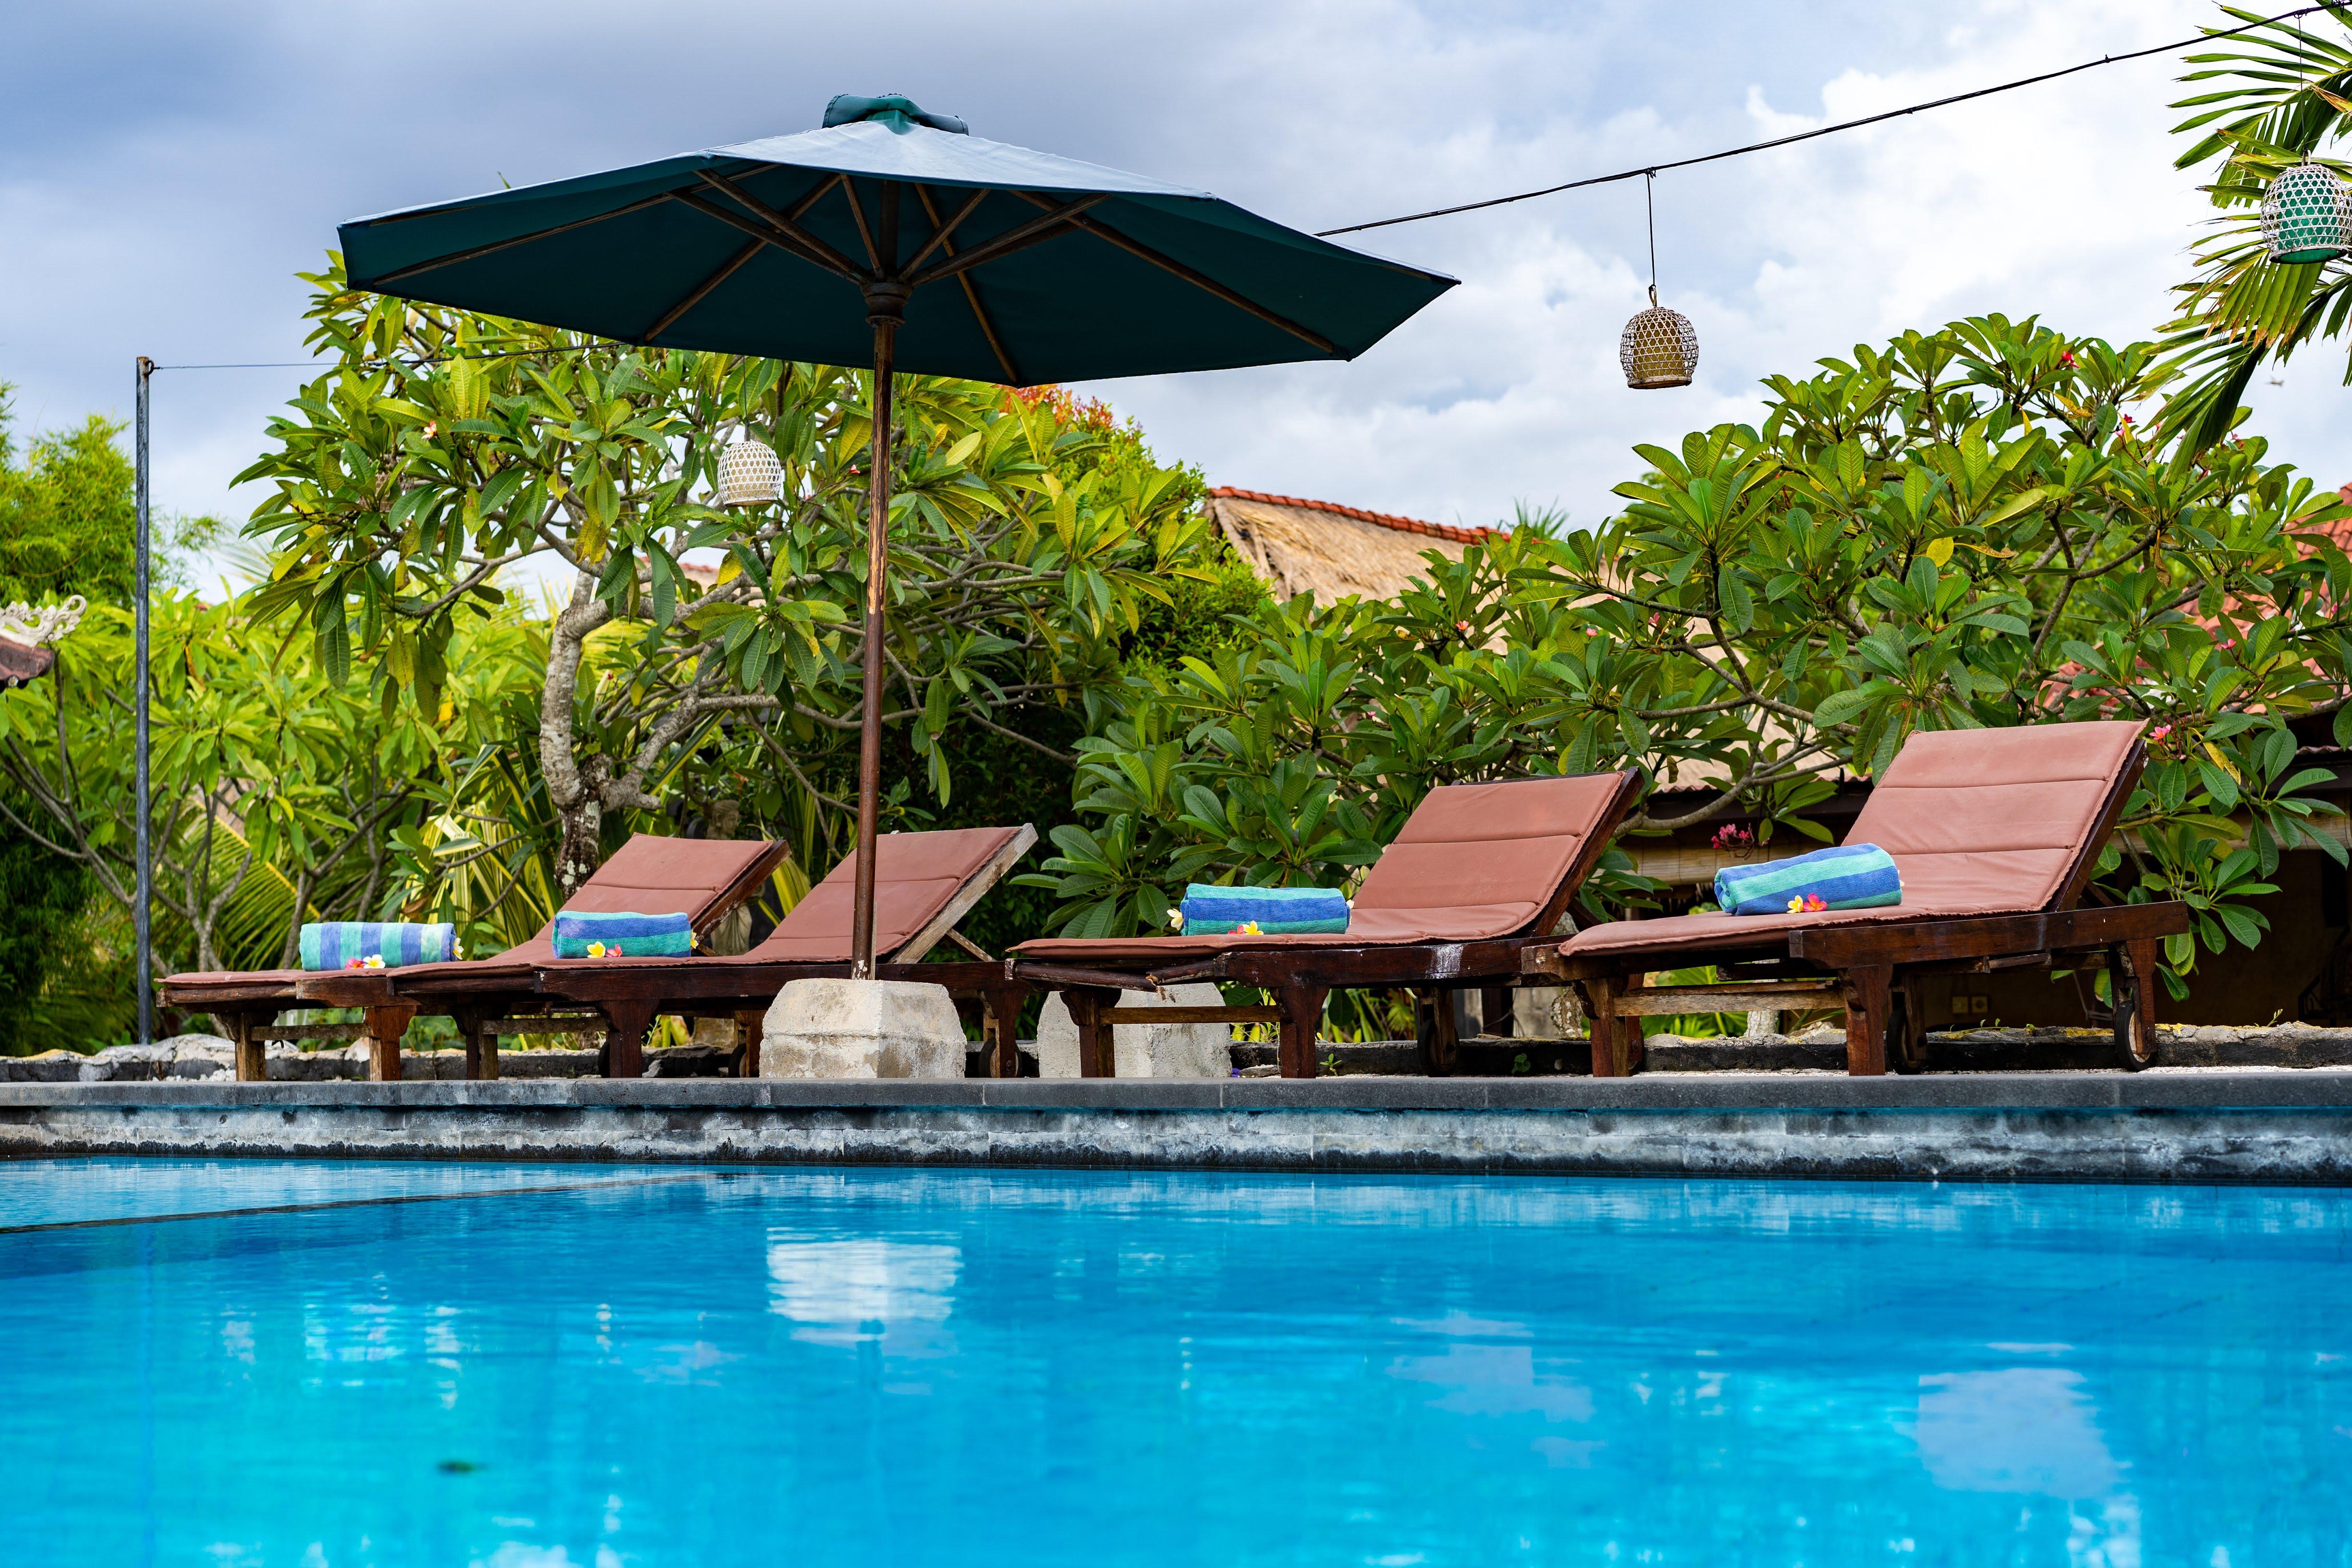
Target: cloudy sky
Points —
{"points": [[166, 169]]}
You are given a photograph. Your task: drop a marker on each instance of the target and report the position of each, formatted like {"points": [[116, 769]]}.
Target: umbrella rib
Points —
{"points": [[800, 207], [865, 235], [702, 289], [1017, 238], [971, 293], [923, 194], [467, 255], [783, 242], [784, 225], [1200, 280], [988, 329]]}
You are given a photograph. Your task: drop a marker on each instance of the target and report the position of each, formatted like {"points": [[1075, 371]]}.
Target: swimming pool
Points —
{"points": [[534, 1367]]}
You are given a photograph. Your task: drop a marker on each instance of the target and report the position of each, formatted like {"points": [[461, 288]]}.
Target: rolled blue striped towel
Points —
{"points": [[340, 944], [1850, 877], [622, 935], [1275, 912]]}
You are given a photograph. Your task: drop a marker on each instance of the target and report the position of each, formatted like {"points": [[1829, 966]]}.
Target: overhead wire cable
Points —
{"points": [[416, 360], [1650, 171], [2338, 8]]}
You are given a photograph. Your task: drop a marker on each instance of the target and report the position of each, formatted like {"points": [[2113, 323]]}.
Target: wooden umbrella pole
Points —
{"points": [[877, 556]]}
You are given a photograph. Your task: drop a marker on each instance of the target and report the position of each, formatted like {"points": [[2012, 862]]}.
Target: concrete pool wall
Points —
{"points": [[2199, 1126]]}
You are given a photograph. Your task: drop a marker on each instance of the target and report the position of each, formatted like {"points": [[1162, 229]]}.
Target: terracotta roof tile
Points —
{"points": [[1386, 519]]}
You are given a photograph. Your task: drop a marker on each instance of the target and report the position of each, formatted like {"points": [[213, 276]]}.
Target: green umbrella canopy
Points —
{"points": [[895, 239], [1050, 270]]}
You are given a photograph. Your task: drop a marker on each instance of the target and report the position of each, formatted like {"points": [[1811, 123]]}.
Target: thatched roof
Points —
{"points": [[1331, 551]]}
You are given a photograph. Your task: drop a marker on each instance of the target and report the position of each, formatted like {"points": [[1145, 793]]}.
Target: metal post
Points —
{"points": [[140, 919]]}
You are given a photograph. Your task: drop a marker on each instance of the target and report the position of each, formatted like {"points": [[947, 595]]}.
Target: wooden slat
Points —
{"points": [[553, 1024], [1994, 966], [1652, 1001], [1908, 943], [308, 1031], [1940, 942], [1194, 1016]]}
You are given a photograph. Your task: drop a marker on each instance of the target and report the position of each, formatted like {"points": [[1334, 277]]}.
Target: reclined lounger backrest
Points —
{"points": [[916, 876], [1999, 819], [653, 875], [1482, 860]]}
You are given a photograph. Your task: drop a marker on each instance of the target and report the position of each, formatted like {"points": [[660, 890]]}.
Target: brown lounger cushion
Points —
{"points": [[1980, 821], [916, 876], [649, 875], [1473, 861], [229, 985]]}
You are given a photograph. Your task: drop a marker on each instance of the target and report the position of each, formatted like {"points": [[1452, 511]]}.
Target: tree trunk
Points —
{"points": [[576, 793], [581, 851]]}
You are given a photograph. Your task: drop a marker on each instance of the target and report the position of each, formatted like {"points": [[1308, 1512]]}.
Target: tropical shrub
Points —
{"points": [[1965, 528], [441, 450], [66, 528], [277, 789]]}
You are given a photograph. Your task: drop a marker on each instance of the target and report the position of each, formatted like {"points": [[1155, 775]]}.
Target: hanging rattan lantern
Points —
{"points": [[1659, 347], [750, 475], [2307, 215]]}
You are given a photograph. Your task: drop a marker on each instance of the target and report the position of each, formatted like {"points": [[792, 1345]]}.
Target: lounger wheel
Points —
{"points": [[2135, 1045], [1907, 1032]]}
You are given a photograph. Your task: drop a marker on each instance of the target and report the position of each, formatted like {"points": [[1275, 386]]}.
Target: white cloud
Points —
{"points": [[163, 172]]}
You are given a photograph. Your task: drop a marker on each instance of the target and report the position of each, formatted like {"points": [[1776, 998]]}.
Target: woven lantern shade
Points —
{"points": [[1659, 347], [2307, 216], [749, 475]]}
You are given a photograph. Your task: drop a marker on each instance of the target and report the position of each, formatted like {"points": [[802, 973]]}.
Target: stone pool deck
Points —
{"points": [[2189, 1125]]}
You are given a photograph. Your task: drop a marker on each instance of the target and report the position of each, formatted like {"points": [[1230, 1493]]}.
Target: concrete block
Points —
{"points": [[862, 1028], [1547, 1013], [1142, 1050]]}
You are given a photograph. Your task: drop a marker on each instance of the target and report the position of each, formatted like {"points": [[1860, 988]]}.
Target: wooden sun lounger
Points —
{"points": [[924, 884], [1479, 871], [1996, 833], [704, 879]]}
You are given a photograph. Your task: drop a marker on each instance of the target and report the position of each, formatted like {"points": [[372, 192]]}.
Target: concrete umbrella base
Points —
{"points": [[862, 1028]]}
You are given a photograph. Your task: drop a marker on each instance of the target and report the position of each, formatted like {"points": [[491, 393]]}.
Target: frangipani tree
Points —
{"points": [[1965, 527], [443, 453], [278, 789]]}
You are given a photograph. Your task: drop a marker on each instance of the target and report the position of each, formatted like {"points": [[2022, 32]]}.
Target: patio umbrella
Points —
{"points": [[895, 239]]}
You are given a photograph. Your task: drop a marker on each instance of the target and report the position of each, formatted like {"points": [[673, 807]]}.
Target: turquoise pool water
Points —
{"points": [[577, 1367]]}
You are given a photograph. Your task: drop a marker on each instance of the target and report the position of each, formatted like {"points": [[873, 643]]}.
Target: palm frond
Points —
{"points": [[2287, 95]]}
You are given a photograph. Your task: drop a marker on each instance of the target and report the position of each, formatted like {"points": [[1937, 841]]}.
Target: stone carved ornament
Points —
{"points": [[46, 624], [23, 630]]}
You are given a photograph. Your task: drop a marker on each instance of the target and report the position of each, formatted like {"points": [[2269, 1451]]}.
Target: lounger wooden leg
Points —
{"points": [[625, 1037], [1098, 1052], [252, 1052], [1436, 1032], [2136, 1029], [1906, 1029], [1302, 1015], [1000, 1028], [469, 1030], [1867, 999], [1616, 1041], [384, 1026], [749, 1029]]}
